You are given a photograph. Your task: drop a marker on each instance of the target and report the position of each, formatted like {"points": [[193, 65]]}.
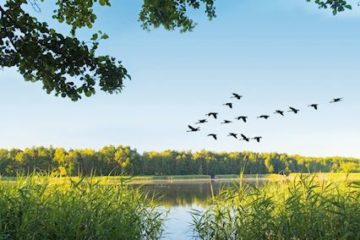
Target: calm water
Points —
{"points": [[179, 199]]}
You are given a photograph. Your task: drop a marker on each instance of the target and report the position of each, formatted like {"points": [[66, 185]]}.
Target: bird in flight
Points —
{"points": [[193, 129], [294, 110], [315, 106], [244, 138], [257, 139], [279, 112], [212, 114], [226, 122], [229, 104], [232, 135], [335, 100], [201, 121], [244, 118], [237, 96], [263, 116], [213, 135]]}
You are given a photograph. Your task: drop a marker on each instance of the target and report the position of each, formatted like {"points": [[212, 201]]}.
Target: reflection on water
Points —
{"points": [[184, 193], [180, 198]]}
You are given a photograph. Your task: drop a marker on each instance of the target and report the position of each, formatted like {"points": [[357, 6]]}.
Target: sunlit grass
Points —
{"points": [[39, 208], [305, 207]]}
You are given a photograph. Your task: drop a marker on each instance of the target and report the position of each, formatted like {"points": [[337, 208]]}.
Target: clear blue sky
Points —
{"points": [[276, 53]]}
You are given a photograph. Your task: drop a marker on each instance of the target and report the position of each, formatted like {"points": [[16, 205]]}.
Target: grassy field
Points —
{"points": [[35, 208], [306, 207]]}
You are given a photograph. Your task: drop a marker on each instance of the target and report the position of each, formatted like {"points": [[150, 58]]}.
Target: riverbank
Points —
{"points": [[199, 178]]}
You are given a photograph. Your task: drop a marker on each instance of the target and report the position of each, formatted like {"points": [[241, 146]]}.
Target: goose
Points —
{"points": [[263, 116], [213, 135], [225, 122], [244, 118], [335, 100], [212, 114], [232, 135], [315, 106], [193, 129], [294, 110], [237, 96], [257, 138], [245, 138], [201, 121], [229, 104], [280, 112]]}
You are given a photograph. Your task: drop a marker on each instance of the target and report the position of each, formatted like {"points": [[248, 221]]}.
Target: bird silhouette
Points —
{"points": [[226, 122], [193, 129], [257, 138], [232, 135], [279, 112], [244, 118], [229, 104], [244, 138], [201, 121], [213, 135], [315, 106], [237, 96], [294, 110], [335, 100], [263, 116], [212, 114]]}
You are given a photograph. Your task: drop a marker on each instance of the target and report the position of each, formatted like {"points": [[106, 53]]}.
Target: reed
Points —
{"points": [[35, 208], [302, 208]]}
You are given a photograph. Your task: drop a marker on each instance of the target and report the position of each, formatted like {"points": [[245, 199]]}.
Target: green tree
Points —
{"points": [[70, 67]]}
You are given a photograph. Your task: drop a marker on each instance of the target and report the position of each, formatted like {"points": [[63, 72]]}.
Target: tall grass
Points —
{"points": [[35, 208], [303, 208]]}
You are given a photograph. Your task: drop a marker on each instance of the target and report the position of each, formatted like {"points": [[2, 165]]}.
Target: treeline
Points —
{"points": [[111, 160]]}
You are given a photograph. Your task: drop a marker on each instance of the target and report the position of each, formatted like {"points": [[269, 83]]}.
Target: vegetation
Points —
{"points": [[301, 209], [70, 67], [111, 160], [35, 208]]}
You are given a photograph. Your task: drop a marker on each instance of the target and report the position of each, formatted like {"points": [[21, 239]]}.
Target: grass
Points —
{"points": [[35, 208], [302, 208]]}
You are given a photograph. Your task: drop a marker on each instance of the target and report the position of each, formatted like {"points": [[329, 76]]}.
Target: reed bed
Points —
{"points": [[302, 208], [36, 208]]}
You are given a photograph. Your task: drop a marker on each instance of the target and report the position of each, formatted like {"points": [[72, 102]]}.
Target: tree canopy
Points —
{"points": [[70, 67], [114, 160]]}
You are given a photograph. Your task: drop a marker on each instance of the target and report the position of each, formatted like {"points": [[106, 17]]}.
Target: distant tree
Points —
{"points": [[70, 67]]}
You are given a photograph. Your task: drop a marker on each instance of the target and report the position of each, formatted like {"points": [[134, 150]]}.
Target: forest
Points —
{"points": [[116, 160]]}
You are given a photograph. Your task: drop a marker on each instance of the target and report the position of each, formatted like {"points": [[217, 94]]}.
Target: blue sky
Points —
{"points": [[276, 53]]}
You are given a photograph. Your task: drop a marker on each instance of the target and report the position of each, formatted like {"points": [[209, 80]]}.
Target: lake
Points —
{"points": [[179, 198]]}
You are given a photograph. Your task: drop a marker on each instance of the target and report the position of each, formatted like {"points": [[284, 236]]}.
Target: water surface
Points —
{"points": [[180, 198]]}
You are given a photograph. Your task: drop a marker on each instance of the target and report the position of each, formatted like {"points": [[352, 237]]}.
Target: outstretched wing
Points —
{"points": [[191, 128]]}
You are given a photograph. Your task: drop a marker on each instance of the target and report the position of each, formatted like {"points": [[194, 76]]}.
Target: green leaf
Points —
{"points": [[104, 36], [94, 37]]}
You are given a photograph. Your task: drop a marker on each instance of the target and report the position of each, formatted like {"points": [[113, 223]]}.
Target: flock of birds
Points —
{"points": [[242, 137]]}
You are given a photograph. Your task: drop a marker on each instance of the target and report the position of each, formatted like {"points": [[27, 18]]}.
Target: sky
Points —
{"points": [[276, 54]]}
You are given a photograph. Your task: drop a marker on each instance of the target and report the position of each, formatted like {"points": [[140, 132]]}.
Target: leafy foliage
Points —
{"points": [[336, 5], [172, 14], [65, 65], [111, 160]]}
